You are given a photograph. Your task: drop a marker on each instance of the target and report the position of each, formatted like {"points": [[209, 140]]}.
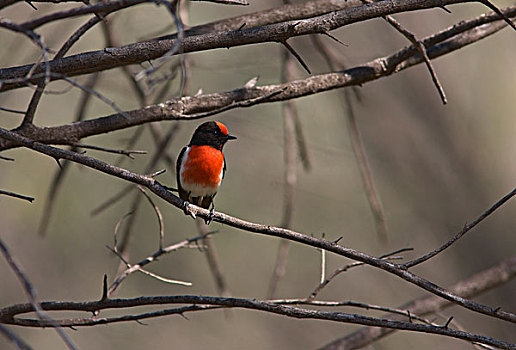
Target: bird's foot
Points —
{"points": [[186, 209], [209, 218]]}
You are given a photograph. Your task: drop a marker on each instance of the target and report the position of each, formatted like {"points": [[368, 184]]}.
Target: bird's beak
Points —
{"points": [[231, 137]]}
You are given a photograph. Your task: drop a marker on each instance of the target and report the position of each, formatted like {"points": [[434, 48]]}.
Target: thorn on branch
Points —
{"points": [[296, 55], [104, 289], [337, 240], [447, 322], [7, 158], [251, 83], [159, 172], [16, 195], [334, 38], [445, 9], [58, 162]]}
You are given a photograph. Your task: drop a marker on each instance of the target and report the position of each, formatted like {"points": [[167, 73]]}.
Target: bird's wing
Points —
{"points": [[224, 167], [178, 171]]}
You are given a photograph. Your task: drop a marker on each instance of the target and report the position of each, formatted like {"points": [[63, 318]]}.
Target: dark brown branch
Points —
{"points": [[468, 288], [268, 230], [200, 303], [279, 32], [200, 106]]}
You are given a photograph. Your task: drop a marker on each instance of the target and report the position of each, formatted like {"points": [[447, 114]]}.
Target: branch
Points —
{"points": [[109, 58], [200, 303], [191, 107], [462, 232], [268, 230], [476, 284]]}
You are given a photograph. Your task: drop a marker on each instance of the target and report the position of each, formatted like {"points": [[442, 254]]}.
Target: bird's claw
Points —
{"points": [[186, 209], [209, 218]]}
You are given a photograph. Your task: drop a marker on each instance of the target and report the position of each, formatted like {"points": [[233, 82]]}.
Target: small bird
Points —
{"points": [[200, 166]]}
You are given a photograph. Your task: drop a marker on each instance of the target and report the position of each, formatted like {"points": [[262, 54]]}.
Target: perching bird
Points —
{"points": [[201, 165]]}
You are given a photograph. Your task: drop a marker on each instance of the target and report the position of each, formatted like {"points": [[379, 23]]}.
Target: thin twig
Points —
{"points": [[133, 268], [462, 232], [127, 153], [31, 295], [326, 281], [158, 214], [15, 339], [421, 47]]}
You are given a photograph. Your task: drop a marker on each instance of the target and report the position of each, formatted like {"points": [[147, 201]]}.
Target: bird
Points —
{"points": [[201, 165]]}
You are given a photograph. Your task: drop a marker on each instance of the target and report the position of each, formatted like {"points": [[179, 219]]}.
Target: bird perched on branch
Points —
{"points": [[201, 165]]}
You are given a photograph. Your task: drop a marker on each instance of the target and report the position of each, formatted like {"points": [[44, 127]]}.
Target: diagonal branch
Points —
{"points": [[462, 232], [162, 192], [470, 287]]}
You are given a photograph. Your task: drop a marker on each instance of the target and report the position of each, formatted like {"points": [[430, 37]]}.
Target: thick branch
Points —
{"points": [[108, 58], [192, 107], [202, 303]]}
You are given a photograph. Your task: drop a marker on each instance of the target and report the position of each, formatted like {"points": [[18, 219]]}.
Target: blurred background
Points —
{"points": [[436, 168]]}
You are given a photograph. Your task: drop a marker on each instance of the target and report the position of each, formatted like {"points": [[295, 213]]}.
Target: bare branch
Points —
{"points": [[202, 303], [136, 267], [476, 284], [462, 232], [158, 214], [268, 230], [201, 106], [279, 32]]}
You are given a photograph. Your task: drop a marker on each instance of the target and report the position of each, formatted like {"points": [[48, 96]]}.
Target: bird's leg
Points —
{"points": [[208, 220], [186, 209]]}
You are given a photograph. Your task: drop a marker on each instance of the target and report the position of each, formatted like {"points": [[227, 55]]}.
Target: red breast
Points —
{"points": [[202, 166]]}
